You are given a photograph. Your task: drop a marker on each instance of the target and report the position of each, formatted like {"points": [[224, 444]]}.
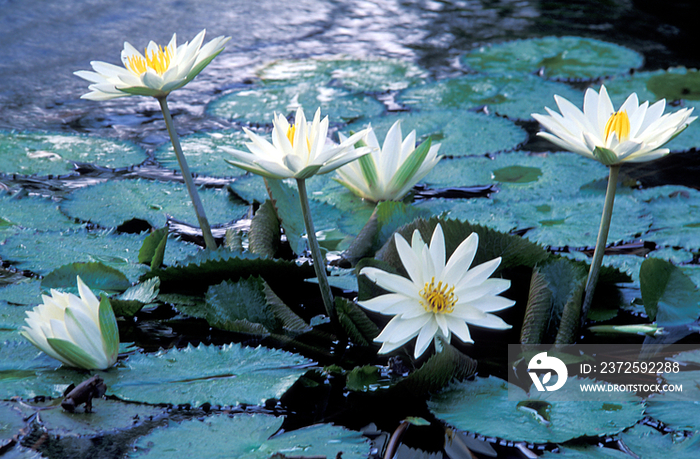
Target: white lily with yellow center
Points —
{"points": [[80, 332], [298, 150], [389, 172], [439, 298], [633, 133], [155, 73]]}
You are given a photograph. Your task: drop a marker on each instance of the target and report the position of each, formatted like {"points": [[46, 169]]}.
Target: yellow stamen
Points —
{"points": [[619, 123], [290, 136], [438, 299], [159, 60]]}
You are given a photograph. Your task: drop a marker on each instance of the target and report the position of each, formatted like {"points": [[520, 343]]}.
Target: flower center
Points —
{"points": [[290, 136], [619, 123], [438, 299], [158, 60]]}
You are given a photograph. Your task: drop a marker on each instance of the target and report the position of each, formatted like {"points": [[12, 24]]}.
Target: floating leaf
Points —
{"points": [[369, 75], [203, 154], [257, 104], [134, 298], [585, 452], [227, 375], [26, 292], [512, 95], [11, 421], [96, 276], [33, 212], [112, 203], [469, 406], [55, 154], [675, 212], [248, 436], [560, 58], [670, 297], [459, 133], [649, 443], [12, 320]]}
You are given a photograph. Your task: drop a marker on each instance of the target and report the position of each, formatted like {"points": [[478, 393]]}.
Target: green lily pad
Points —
{"points": [[26, 292], [11, 421], [106, 415], [471, 405], [676, 216], [247, 436], [585, 452], [33, 212], [250, 188], [648, 443], [227, 375], [256, 105], [481, 211], [561, 58], [203, 154], [513, 95], [670, 297], [459, 133], [109, 204], [11, 321], [56, 154], [41, 253], [367, 75]]}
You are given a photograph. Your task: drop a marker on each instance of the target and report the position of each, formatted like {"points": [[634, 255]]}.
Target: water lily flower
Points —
{"points": [[634, 133], [389, 172], [439, 298], [297, 150], [155, 73], [80, 332]]}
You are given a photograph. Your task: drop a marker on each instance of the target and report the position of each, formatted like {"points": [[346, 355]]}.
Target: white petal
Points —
{"points": [[391, 282], [425, 337]]}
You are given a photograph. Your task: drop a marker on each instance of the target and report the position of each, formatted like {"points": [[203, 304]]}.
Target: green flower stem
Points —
{"points": [[209, 241], [600, 243], [319, 261]]}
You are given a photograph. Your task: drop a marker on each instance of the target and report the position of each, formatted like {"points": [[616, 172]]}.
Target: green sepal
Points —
{"points": [[369, 170], [109, 329], [409, 167], [72, 353], [606, 156]]}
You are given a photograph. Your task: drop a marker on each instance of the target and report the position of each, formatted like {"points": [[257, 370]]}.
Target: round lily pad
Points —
{"points": [[41, 253], [368, 75], [485, 407], [248, 436], [516, 96], [459, 133], [33, 212], [203, 155], [11, 421], [480, 211], [562, 58], [20, 365], [227, 375], [109, 204], [649, 443], [675, 211], [55, 154], [257, 105]]}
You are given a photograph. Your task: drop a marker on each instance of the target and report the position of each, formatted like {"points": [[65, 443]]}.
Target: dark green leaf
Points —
{"points": [[439, 370], [355, 322], [264, 234], [153, 249], [669, 296], [95, 275]]}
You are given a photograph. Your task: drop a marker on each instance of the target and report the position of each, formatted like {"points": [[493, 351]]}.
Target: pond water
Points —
{"points": [[43, 43]]}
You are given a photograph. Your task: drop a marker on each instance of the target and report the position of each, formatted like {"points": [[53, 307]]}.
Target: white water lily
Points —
{"points": [[389, 172], [633, 133], [80, 332], [298, 150], [439, 298], [155, 73]]}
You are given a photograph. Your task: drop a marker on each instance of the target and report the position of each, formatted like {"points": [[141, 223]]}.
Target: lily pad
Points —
{"points": [[41, 253], [368, 75], [516, 96], [670, 297], [585, 452], [33, 212], [26, 292], [227, 375], [676, 216], [561, 58], [459, 133], [648, 443], [11, 421], [257, 105], [247, 436], [203, 154], [112, 203], [11, 321], [55, 154], [470, 406]]}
